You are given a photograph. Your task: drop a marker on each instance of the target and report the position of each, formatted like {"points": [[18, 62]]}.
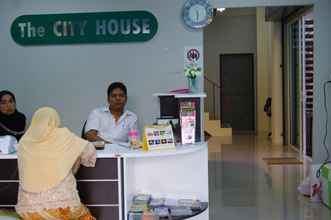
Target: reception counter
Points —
{"points": [[120, 173]]}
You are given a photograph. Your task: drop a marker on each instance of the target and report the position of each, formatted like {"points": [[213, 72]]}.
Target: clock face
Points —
{"points": [[197, 13]]}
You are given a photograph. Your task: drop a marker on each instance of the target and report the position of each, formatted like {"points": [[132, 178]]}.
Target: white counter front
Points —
{"points": [[120, 173]]}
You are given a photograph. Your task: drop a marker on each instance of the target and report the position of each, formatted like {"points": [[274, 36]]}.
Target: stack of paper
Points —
{"points": [[180, 211], [140, 203], [161, 211], [170, 202], [190, 203], [142, 198], [157, 202]]}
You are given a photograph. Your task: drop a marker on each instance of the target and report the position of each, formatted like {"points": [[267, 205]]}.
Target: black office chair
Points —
{"points": [[83, 131]]}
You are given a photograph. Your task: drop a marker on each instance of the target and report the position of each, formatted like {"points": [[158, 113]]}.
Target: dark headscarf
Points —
{"points": [[13, 124]]}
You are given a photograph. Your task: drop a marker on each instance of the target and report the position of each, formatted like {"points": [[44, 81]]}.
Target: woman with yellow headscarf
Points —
{"points": [[46, 157]]}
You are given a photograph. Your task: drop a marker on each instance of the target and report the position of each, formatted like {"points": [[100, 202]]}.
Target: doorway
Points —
{"points": [[300, 55], [295, 82], [237, 92]]}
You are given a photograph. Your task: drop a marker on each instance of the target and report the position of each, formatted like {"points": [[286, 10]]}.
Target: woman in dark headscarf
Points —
{"points": [[12, 122]]}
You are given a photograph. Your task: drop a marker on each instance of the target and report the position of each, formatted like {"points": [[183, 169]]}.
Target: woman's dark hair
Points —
{"points": [[6, 92], [116, 85]]}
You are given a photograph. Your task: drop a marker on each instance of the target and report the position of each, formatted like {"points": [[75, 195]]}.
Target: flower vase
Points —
{"points": [[192, 84]]}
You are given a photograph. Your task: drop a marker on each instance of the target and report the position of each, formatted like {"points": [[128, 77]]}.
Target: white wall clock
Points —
{"points": [[197, 13]]}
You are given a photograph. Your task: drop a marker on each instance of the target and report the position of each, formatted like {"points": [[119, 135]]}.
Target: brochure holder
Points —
{"points": [[187, 122], [158, 137]]}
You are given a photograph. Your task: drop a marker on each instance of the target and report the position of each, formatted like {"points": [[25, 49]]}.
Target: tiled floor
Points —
{"points": [[243, 187]]}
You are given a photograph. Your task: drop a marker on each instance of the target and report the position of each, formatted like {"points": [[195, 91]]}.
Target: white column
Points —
{"points": [[277, 99], [263, 74]]}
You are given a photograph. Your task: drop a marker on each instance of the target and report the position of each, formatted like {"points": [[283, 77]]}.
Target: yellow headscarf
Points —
{"points": [[47, 153]]}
